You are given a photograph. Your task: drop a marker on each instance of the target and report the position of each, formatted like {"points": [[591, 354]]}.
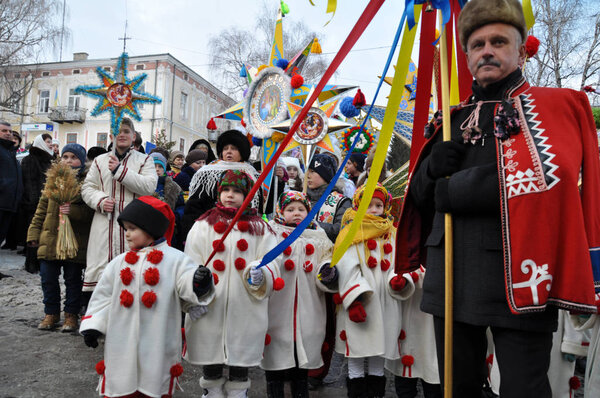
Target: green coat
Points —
{"points": [[44, 227]]}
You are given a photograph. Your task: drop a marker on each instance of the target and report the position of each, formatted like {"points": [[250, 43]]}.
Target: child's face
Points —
{"points": [[292, 172], [197, 165], [232, 197], [178, 162], [70, 159], [294, 212], [314, 179], [136, 237], [159, 169], [375, 207]]}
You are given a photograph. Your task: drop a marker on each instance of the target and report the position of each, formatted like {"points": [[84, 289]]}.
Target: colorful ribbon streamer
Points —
{"points": [[385, 136], [356, 32], [442, 5], [528, 11]]}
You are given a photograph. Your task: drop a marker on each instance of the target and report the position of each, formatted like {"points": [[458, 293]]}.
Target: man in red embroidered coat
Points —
{"points": [[526, 237]]}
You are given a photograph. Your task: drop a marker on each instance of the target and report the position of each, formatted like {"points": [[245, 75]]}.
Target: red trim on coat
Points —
{"points": [[349, 290]]}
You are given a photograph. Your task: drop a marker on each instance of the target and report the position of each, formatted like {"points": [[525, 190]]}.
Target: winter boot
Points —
{"points": [[237, 389], [70, 324], [49, 322], [356, 387], [212, 388], [375, 386], [299, 388], [275, 389]]}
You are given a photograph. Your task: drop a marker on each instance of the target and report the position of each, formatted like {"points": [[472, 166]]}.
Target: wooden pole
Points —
{"points": [[448, 310]]}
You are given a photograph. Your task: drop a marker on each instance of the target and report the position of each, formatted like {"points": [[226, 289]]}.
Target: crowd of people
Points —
{"points": [[152, 261]]}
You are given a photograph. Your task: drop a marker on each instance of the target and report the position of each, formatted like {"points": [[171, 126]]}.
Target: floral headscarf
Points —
{"points": [[381, 193], [285, 199], [237, 179]]}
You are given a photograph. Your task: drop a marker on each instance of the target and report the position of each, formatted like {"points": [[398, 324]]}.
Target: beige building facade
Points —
{"points": [[52, 106]]}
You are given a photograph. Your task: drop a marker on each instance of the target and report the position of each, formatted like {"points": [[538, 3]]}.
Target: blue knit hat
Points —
{"points": [[159, 159], [76, 150]]}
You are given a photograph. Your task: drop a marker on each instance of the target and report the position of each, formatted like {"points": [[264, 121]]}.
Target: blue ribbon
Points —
{"points": [[277, 250], [443, 5]]}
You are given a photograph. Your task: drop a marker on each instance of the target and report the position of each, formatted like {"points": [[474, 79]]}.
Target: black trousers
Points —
{"points": [[523, 359]]}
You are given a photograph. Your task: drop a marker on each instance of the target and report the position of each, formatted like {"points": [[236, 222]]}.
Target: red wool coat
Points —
{"points": [[550, 225]]}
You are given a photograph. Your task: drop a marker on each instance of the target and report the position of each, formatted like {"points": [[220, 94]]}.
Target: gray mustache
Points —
{"points": [[485, 62]]}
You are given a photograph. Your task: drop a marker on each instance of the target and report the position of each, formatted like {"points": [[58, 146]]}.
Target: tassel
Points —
{"points": [[243, 71], [285, 9], [316, 47], [531, 46], [359, 99], [211, 125]]}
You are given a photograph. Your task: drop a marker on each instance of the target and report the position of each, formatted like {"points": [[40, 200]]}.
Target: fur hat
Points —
{"points": [[194, 156], [477, 13], [150, 214], [76, 150], [324, 165], [237, 139]]}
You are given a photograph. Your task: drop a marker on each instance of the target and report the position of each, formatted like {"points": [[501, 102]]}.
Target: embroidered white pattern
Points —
{"points": [[521, 183], [539, 274]]}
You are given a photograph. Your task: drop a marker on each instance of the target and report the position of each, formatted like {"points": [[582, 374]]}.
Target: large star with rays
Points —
{"points": [[118, 94]]}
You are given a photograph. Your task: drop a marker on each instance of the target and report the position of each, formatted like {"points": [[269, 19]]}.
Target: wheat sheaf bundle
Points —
{"points": [[62, 187]]}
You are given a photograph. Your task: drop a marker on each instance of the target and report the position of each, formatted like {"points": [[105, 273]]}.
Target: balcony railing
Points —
{"points": [[67, 114]]}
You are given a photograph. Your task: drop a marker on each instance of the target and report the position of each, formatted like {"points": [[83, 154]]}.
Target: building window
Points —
{"points": [[139, 67], [101, 139], [141, 88], [185, 76], [182, 144], [76, 71], [71, 138], [17, 75], [73, 100], [183, 106], [44, 101], [45, 74]]}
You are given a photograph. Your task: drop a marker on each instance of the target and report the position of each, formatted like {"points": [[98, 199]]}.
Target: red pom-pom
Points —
{"points": [[310, 249], [131, 257], [408, 360], [220, 227], [402, 334], [155, 256], [372, 262], [211, 125], [278, 284], [242, 244], [126, 276], [531, 46], [343, 335], [243, 226], [385, 264], [289, 264], [240, 263], [308, 266], [126, 298], [574, 383], [297, 81], [176, 370], [337, 299], [100, 368], [287, 251], [215, 279], [152, 276], [219, 265], [387, 248], [285, 235], [267, 339], [149, 298], [371, 244], [414, 276], [218, 246], [359, 99]]}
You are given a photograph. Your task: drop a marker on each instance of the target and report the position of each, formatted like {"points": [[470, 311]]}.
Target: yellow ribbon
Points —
{"points": [[528, 12], [385, 135]]}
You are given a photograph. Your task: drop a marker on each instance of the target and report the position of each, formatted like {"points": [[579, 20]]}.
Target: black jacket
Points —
{"points": [[34, 168], [185, 177], [11, 183]]}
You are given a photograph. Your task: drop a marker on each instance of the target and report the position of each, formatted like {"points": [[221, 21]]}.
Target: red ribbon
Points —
{"points": [[356, 32]]}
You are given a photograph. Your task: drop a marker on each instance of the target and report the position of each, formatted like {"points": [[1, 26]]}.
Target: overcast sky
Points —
{"points": [[182, 28]]}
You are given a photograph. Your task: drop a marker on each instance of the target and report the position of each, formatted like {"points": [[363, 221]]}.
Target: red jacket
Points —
{"points": [[550, 227]]}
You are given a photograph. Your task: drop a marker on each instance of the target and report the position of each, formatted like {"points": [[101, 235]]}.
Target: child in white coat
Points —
{"points": [[368, 294], [297, 314], [137, 304], [233, 330]]}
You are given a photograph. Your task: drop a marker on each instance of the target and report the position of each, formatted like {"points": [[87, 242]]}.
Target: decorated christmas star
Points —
{"points": [[118, 95]]}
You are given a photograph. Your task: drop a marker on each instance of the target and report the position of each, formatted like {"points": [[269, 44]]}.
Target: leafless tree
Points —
{"points": [[568, 54], [28, 28], [233, 46]]}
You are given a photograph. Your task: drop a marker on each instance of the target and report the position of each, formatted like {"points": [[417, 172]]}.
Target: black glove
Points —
{"points": [[328, 274], [442, 196], [90, 337], [202, 281], [445, 159]]}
